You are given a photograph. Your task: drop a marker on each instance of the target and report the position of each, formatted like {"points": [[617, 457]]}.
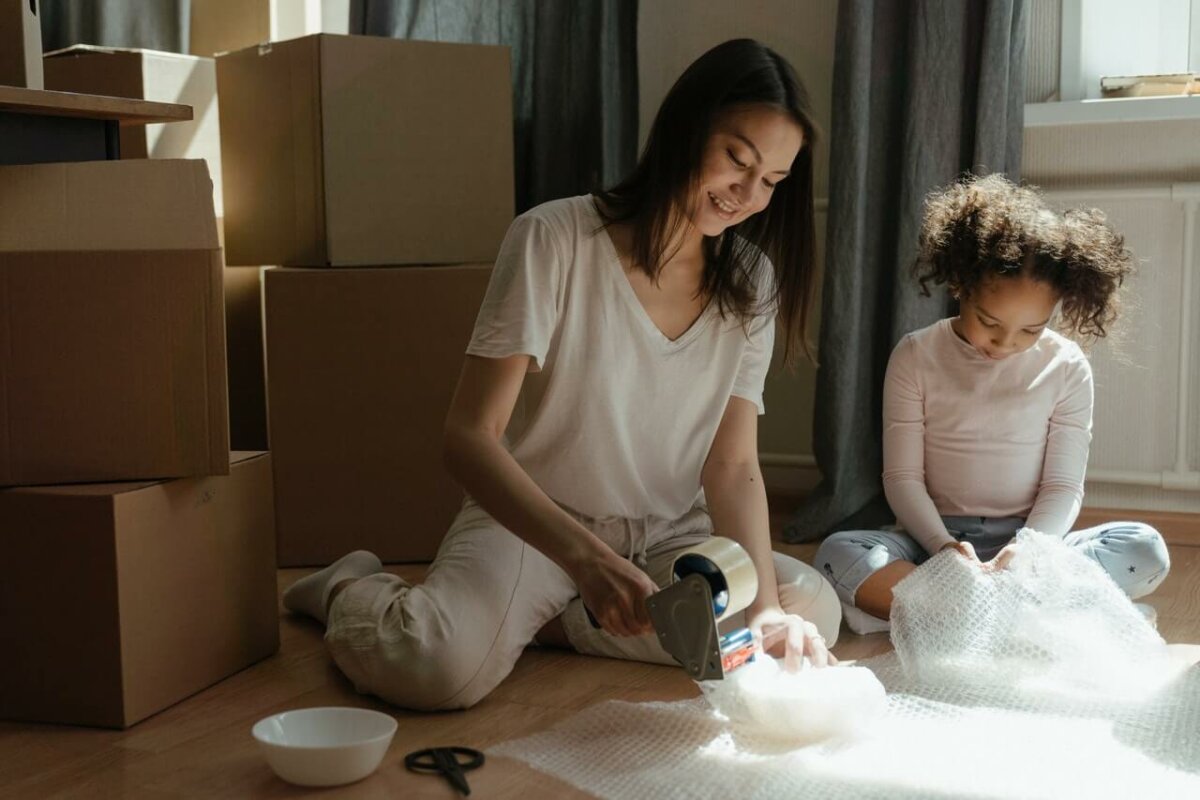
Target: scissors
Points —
{"points": [[445, 760]]}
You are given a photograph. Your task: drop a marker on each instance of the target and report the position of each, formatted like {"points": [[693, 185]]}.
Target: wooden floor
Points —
{"points": [[202, 747]]}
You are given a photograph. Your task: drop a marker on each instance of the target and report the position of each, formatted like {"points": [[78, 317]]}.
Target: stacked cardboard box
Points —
{"points": [[121, 598], [362, 365], [382, 169], [149, 75], [124, 598], [114, 364], [174, 78], [363, 151]]}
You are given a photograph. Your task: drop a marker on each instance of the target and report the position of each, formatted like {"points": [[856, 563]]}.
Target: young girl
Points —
{"points": [[988, 415], [637, 327]]}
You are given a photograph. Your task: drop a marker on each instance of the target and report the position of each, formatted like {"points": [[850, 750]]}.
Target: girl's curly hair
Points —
{"points": [[984, 227]]}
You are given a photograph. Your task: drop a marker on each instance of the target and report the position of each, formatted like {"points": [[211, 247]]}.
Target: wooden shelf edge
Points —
{"points": [[127, 111]]}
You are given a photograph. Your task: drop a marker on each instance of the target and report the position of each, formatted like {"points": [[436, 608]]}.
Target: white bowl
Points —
{"points": [[325, 746]]}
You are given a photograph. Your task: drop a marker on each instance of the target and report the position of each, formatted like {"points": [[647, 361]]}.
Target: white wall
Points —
{"points": [[1139, 427], [672, 34]]}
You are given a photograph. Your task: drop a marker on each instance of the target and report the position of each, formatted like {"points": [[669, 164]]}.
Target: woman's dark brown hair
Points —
{"points": [[980, 228], [738, 72]]}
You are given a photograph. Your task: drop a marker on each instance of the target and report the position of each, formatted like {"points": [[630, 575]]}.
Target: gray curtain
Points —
{"points": [[924, 90], [574, 70], [152, 24]]}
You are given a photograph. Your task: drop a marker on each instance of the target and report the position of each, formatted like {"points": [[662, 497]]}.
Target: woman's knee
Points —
{"points": [[803, 591], [424, 676]]}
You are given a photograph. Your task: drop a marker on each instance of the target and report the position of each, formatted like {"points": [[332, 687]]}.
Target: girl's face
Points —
{"points": [[1005, 316], [751, 149]]}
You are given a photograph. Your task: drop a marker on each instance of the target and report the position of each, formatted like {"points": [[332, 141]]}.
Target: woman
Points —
{"points": [[636, 326]]}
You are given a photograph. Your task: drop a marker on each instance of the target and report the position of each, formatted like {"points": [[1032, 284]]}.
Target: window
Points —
{"points": [[1116, 37]]}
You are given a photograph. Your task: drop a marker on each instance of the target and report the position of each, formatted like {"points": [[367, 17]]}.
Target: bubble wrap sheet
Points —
{"points": [[1040, 681]]}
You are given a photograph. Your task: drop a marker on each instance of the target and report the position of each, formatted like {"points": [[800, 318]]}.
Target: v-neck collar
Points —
{"points": [[625, 288]]}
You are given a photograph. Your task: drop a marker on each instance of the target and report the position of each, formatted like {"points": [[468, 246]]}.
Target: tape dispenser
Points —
{"points": [[710, 583]]}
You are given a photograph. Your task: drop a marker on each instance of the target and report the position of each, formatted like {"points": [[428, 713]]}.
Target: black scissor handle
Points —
{"points": [[428, 761], [444, 760]]}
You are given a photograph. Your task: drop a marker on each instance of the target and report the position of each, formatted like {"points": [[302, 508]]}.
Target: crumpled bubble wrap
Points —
{"points": [[800, 707], [1039, 681]]}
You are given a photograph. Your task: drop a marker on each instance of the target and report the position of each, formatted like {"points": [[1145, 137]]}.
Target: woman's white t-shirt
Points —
{"points": [[617, 419]]}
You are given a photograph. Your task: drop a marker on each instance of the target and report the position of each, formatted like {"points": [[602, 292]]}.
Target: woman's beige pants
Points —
{"points": [[446, 643]]}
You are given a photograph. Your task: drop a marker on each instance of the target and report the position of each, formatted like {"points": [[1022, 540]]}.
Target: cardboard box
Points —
{"points": [[361, 150], [150, 75], [361, 367], [113, 358], [125, 598], [20, 44], [221, 26]]}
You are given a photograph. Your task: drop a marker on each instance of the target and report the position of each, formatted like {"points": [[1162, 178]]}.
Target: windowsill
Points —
{"points": [[1119, 109]]}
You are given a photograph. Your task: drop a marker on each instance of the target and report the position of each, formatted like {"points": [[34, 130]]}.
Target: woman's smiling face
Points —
{"points": [[750, 150]]}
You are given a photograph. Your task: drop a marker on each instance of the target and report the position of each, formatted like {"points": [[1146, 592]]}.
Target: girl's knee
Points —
{"points": [[848, 558], [1135, 555], [836, 550]]}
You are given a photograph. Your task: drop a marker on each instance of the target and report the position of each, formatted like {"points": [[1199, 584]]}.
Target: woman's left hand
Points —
{"points": [[777, 632]]}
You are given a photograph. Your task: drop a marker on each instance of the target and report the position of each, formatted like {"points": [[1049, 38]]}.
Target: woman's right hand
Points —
{"points": [[614, 591]]}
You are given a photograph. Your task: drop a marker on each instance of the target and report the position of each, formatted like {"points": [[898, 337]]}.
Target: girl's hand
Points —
{"points": [[964, 549], [1004, 558], [614, 591], [793, 637]]}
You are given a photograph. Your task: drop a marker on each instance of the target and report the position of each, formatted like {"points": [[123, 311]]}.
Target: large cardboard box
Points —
{"points": [[220, 26], [112, 365], [361, 367], [150, 75], [122, 599], [361, 150], [20, 44]]}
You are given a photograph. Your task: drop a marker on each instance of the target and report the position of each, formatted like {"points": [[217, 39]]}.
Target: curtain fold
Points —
{"points": [[152, 24]]}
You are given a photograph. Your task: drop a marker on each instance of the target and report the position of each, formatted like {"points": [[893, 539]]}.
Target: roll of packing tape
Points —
{"points": [[727, 568]]}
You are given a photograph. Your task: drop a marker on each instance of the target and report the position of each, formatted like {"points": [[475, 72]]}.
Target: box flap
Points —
{"points": [[88, 49], [81, 49], [107, 205], [122, 487], [78, 49]]}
